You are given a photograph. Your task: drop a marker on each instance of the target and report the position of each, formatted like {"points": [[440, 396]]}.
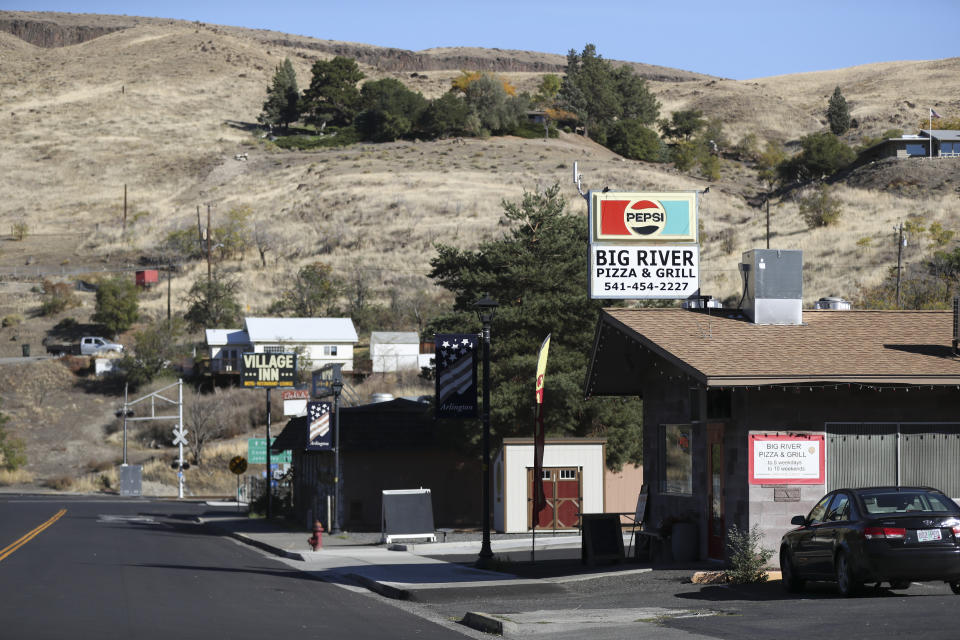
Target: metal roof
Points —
{"points": [[394, 337], [224, 337], [950, 135], [300, 330]]}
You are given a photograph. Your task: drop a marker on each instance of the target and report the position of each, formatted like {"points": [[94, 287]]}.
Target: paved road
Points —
{"points": [[665, 606], [114, 568]]}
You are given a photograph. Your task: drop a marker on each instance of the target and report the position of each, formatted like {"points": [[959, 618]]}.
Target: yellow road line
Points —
{"points": [[30, 535]]}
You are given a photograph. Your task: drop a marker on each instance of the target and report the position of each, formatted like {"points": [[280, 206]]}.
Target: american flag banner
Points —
{"points": [[456, 360], [319, 434]]}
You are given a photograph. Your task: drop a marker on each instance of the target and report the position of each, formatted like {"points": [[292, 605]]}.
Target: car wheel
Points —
{"points": [[955, 587], [845, 582], [791, 581], [900, 584]]}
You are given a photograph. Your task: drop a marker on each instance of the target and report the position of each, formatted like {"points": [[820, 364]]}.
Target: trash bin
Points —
{"points": [[26, 350]]}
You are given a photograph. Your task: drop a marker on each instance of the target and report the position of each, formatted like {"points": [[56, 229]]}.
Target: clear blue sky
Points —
{"points": [[734, 39]]}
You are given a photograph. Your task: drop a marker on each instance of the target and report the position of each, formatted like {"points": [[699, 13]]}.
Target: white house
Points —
{"points": [[318, 342], [395, 351]]}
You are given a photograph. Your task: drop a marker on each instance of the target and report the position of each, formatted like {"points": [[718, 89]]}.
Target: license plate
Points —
{"points": [[927, 535]]}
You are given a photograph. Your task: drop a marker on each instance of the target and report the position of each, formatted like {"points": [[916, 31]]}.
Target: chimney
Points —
{"points": [[773, 286]]}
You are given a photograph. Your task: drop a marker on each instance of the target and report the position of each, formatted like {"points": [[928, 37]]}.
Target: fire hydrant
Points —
{"points": [[317, 540]]}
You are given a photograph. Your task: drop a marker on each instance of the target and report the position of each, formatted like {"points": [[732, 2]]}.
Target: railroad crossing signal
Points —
{"points": [[179, 436]]}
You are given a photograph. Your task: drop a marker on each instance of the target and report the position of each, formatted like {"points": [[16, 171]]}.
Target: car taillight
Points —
{"points": [[893, 533], [956, 530]]}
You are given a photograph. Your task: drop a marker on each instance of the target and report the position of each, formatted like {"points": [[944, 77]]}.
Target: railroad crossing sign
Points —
{"points": [[238, 464], [179, 436]]}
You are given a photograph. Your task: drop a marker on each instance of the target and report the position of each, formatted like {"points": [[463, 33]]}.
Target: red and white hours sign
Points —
{"points": [[794, 459]]}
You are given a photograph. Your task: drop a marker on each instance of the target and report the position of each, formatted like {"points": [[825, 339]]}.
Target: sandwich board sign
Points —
{"points": [[407, 513]]}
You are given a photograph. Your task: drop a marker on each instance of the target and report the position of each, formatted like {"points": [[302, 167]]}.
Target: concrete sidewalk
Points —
{"points": [[442, 575], [420, 571]]}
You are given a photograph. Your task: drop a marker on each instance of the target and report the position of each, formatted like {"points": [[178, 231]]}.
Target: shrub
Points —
{"points": [[823, 154], [748, 559], [820, 208], [12, 320], [340, 138], [685, 155], [632, 140], [57, 296], [13, 451], [19, 230]]}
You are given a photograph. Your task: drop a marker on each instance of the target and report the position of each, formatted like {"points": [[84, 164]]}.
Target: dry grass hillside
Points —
{"points": [[164, 107]]}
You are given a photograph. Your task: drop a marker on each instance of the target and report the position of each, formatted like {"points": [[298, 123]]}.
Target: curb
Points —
{"points": [[383, 588], [277, 551], [487, 623]]}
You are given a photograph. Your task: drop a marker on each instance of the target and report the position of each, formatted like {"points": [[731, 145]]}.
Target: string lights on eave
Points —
{"points": [[859, 386]]}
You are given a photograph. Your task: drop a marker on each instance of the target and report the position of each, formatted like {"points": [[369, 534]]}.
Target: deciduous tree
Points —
{"points": [[212, 302], [117, 304]]}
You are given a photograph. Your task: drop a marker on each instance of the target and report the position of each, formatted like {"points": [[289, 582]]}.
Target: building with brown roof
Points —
{"points": [[750, 424]]}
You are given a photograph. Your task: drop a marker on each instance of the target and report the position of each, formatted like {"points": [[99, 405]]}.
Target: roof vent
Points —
{"points": [[772, 286], [832, 303], [702, 302]]}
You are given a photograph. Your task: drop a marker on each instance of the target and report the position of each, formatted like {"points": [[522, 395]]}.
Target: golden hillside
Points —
{"points": [[165, 106]]}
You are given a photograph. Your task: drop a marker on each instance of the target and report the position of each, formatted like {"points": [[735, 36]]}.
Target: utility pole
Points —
{"points": [[768, 221], [209, 270], [169, 270], [124, 208], [901, 243]]}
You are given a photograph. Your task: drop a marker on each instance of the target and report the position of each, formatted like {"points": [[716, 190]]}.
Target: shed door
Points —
{"points": [[562, 488]]}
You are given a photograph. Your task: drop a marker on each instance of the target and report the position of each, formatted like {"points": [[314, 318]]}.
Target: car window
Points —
{"points": [[818, 512], [839, 508], [893, 501]]}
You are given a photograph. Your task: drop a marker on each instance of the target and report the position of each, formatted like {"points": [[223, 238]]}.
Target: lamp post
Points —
{"points": [[486, 308], [337, 385]]}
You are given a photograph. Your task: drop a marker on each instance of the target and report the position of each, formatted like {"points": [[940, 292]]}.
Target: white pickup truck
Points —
{"points": [[91, 345]]}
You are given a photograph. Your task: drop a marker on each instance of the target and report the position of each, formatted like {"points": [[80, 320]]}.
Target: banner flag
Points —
{"points": [[456, 360], [319, 434], [539, 435]]}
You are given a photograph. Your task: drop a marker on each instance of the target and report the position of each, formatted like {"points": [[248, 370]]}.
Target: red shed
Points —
{"points": [[147, 277]]}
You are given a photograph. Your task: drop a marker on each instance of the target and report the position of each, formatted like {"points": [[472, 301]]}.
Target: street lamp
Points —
{"points": [[486, 309], [337, 385]]}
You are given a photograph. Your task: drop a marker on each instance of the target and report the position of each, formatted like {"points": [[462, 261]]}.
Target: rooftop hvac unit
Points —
{"points": [[832, 303], [773, 286]]}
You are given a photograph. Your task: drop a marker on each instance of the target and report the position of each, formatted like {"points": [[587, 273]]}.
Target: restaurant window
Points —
{"points": [[676, 458]]}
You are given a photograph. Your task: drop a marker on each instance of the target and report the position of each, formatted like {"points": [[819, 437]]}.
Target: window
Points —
{"points": [[568, 474], [676, 458], [818, 513], [330, 350], [272, 348], [545, 474], [917, 149], [839, 508]]}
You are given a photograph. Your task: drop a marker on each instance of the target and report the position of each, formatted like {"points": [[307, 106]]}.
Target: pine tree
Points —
{"points": [[537, 271], [282, 106], [838, 114]]}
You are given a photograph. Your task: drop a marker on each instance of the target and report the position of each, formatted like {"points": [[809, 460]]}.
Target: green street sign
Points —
{"points": [[257, 452]]}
